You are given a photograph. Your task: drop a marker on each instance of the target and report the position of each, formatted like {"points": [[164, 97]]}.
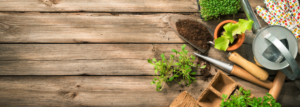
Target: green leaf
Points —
{"points": [[171, 78], [172, 56], [244, 25], [186, 51], [163, 56], [153, 82], [177, 64], [240, 27], [203, 66], [222, 43], [153, 59], [193, 57], [194, 73], [182, 47], [149, 61], [176, 75], [230, 29], [173, 50]]}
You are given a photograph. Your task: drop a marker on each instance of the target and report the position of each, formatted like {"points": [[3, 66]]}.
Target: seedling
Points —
{"points": [[211, 9], [231, 30], [165, 71], [178, 65], [242, 99]]}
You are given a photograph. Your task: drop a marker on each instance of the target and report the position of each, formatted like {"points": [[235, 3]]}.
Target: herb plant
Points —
{"points": [[242, 99], [165, 70], [178, 65], [211, 9], [231, 30]]}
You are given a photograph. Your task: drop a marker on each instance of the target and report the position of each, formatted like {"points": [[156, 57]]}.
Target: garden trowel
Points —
{"points": [[237, 71], [172, 19]]}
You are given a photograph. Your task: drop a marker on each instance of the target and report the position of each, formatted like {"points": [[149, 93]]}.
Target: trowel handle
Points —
{"points": [[240, 72], [248, 66], [277, 84]]}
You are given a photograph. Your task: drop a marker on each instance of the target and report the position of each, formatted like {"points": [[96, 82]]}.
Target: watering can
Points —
{"points": [[274, 47]]}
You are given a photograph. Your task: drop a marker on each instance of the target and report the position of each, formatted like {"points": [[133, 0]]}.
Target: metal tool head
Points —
{"points": [[172, 19]]}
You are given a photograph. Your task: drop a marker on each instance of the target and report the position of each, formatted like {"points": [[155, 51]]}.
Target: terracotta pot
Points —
{"points": [[240, 40]]}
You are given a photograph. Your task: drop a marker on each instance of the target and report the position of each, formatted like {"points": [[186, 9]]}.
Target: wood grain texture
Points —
{"points": [[56, 52], [106, 5], [91, 28], [100, 5], [91, 59], [31, 91], [85, 28]]}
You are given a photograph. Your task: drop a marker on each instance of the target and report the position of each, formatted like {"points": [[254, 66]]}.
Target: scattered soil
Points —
{"points": [[205, 72], [194, 32]]}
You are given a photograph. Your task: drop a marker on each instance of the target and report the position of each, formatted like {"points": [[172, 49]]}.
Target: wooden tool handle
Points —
{"points": [[277, 84], [240, 72], [248, 66]]}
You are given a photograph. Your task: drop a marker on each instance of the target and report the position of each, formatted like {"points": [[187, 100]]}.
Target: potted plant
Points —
{"points": [[229, 35], [211, 9], [242, 98], [177, 66]]}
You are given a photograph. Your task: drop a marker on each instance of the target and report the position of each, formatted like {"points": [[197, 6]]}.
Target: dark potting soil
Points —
{"points": [[205, 72], [194, 32]]}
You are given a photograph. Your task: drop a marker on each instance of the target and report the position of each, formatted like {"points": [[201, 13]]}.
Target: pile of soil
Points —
{"points": [[194, 32], [205, 72]]}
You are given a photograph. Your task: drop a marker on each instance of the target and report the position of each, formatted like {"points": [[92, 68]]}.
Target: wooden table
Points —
{"points": [[93, 53]]}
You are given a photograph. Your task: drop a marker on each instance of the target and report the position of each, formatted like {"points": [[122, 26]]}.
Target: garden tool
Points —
{"points": [[237, 71], [172, 23], [275, 86], [274, 47], [247, 65]]}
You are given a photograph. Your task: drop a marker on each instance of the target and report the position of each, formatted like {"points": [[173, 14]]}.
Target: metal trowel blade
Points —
{"points": [[273, 54]]}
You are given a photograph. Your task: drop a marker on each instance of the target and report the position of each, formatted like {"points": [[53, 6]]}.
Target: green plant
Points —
{"points": [[242, 99], [231, 30], [178, 65], [214, 8], [165, 71], [184, 66]]}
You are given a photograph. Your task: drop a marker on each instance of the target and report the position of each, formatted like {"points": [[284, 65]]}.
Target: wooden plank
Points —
{"points": [[108, 91], [55, 52], [91, 59], [106, 5], [100, 5], [85, 28], [82, 59], [92, 28]]}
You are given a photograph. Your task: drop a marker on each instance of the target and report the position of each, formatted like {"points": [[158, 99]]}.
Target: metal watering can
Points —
{"points": [[274, 47]]}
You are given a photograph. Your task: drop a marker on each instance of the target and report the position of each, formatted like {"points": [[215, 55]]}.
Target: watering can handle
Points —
{"points": [[287, 55], [250, 15]]}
